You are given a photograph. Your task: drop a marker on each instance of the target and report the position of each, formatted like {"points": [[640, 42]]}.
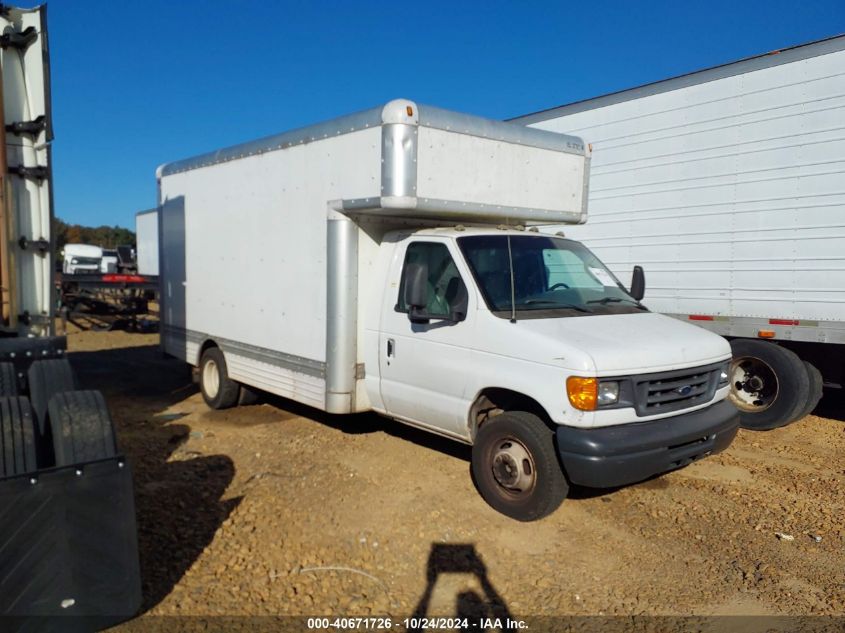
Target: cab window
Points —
{"points": [[445, 286]]}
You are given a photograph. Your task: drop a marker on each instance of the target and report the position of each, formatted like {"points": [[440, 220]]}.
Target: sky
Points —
{"points": [[137, 84]]}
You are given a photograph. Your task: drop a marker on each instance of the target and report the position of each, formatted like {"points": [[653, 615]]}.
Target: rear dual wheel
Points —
{"points": [[218, 390], [770, 385]]}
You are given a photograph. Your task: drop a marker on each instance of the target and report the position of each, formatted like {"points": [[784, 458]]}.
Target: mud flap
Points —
{"points": [[68, 548]]}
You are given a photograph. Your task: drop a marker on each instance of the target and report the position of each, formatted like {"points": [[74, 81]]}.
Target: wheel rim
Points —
{"points": [[210, 379], [754, 385], [513, 467]]}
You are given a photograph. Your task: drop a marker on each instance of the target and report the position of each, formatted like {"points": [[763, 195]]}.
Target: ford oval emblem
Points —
{"points": [[684, 391]]}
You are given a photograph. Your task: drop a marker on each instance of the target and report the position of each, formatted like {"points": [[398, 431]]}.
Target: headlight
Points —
{"points": [[724, 374], [74, 261], [608, 393]]}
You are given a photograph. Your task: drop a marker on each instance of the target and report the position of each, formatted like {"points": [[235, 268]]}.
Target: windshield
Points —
{"points": [[550, 275]]}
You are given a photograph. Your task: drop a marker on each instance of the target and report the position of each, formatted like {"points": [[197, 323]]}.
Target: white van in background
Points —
{"points": [[80, 259]]}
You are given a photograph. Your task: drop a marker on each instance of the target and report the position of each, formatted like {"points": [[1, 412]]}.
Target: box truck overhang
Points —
{"points": [[517, 175]]}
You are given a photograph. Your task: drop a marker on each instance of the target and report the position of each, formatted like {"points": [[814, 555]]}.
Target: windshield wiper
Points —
{"points": [[557, 304], [606, 300]]}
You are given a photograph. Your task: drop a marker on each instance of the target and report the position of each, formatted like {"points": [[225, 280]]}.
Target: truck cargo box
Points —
{"points": [[265, 245]]}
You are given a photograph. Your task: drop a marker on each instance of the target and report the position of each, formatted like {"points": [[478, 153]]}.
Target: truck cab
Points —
{"points": [[472, 325]]}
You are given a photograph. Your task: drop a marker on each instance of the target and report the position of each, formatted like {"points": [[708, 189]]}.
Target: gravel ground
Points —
{"points": [[279, 509]]}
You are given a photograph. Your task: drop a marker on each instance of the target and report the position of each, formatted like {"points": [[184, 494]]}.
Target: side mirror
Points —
{"points": [[416, 291], [638, 283], [458, 298]]}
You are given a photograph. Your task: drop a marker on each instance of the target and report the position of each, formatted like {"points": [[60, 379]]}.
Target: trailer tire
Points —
{"points": [[218, 390], [18, 453], [45, 378], [8, 380], [516, 468], [816, 390], [769, 384], [82, 427]]}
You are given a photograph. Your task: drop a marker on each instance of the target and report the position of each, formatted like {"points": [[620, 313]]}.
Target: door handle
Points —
{"points": [[390, 347]]}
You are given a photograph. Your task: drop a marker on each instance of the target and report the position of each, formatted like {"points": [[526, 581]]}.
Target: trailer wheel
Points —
{"points": [[769, 384], [218, 390], [516, 468], [8, 380], [816, 390], [45, 378], [17, 437], [82, 427]]}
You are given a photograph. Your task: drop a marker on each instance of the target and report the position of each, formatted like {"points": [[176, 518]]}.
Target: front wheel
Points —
{"points": [[218, 390], [516, 468]]}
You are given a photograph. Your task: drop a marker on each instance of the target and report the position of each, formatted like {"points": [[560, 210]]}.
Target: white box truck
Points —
{"points": [[380, 261], [727, 185]]}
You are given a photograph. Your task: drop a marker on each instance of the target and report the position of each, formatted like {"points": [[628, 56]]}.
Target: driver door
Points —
{"points": [[424, 365]]}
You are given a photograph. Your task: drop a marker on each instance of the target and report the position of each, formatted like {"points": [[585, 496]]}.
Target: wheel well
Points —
{"points": [[494, 401], [206, 344]]}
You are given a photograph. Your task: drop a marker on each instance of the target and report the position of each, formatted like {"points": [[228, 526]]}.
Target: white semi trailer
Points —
{"points": [[67, 516], [727, 186], [380, 262]]}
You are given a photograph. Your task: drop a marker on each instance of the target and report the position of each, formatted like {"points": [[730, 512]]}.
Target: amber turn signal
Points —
{"points": [[582, 392]]}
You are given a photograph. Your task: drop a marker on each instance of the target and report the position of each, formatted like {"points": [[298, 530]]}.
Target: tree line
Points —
{"points": [[104, 236]]}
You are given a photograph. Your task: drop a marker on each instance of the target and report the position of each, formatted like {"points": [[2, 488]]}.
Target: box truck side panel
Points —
{"points": [[254, 257], [726, 188]]}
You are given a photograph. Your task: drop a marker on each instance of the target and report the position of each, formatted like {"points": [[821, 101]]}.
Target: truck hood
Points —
{"points": [[622, 343]]}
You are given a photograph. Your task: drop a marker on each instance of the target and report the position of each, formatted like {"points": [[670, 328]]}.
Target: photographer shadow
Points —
{"points": [[472, 605]]}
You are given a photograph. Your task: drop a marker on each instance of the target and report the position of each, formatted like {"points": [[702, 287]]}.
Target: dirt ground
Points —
{"points": [[279, 509]]}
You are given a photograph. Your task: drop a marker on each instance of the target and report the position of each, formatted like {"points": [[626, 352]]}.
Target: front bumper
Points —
{"points": [[627, 453]]}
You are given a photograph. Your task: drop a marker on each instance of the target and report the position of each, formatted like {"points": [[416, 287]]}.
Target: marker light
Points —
{"points": [[582, 392], [409, 110]]}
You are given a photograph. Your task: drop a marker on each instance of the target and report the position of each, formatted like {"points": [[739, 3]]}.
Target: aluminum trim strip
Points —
{"points": [[457, 211], [299, 136], [290, 362]]}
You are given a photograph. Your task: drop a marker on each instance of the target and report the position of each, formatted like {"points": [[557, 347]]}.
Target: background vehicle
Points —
{"points": [[146, 238], [110, 261], [81, 259], [727, 184], [67, 517], [375, 263]]}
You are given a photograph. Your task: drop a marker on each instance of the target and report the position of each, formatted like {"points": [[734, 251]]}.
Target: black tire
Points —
{"points": [[17, 437], [225, 392], [248, 396], [45, 378], [81, 426], [769, 384], [816, 390], [520, 439], [8, 380]]}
